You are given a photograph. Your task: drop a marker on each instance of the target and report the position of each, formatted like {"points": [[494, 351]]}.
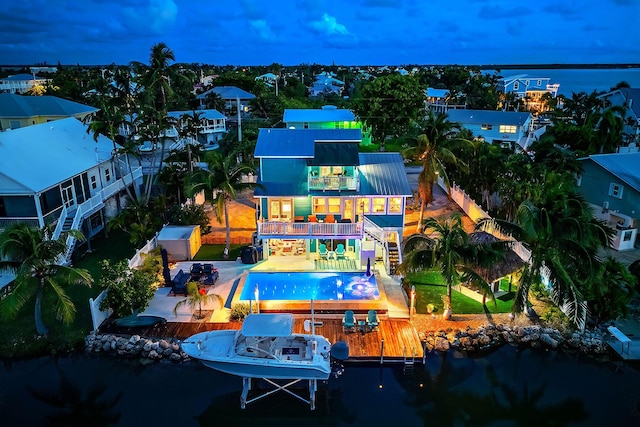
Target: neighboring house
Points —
{"points": [[629, 99], [326, 83], [510, 129], [231, 95], [269, 79], [327, 117], [611, 184], [17, 111], [438, 100], [212, 130], [21, 83], [36, 70], [56, 174], [318, 190], [529, 88]]}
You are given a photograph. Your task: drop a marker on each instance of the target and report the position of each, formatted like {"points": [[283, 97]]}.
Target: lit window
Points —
{"points": [[395, 205], [319, 205], [379, 205], [486, 127], [325, 170], [363, 205], [615, 190], [339, 125], [508, 129], [334, 205], [337, 170]]}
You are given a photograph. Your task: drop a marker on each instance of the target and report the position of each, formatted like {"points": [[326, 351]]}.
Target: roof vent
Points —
{"points": [[329, 107]]}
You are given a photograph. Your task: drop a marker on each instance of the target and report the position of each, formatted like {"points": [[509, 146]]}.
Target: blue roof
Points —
{"points": [[437, 93], [23, 76], [493, 117], [12, 105], [227, 92], [205, 114], [299, 143], [624, 166], [383, 174], [315, 115]]}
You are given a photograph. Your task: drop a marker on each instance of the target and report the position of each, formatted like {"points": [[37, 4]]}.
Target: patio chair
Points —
{"points": [[323, 252], [196, 271], [340, 251], [330, 218], [372, 320], [348, 321]]}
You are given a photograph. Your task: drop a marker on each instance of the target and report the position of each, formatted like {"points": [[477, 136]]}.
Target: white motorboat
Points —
{"points": [[265, 347]]}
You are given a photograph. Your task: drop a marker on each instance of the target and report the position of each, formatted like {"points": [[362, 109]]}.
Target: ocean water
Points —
{"points": [[581, 80], [508, 387]]}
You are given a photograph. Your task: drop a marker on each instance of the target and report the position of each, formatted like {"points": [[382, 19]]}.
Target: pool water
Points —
{"points": [[319, 286]]}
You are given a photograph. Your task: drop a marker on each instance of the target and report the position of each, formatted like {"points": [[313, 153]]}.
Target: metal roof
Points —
{"points": [[383, 174], [228, 92], [299, 143], [205, 114], [23, 76], [437, 93], [335, 154], [625, 166], [315, 115], [493, 117], [268, 325], [40, 156], [12, 105]]}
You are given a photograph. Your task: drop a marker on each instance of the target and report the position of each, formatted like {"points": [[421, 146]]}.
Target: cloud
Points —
{"points": [[157, 16], [395, 4], [329, 25], [500, 12], [261, 28]]}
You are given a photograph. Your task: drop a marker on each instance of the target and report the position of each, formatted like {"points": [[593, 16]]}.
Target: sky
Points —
{"points": [[292, 32]]}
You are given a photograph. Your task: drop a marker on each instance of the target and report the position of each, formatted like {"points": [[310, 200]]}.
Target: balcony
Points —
{"points": [[310, 230], [332, 183]]}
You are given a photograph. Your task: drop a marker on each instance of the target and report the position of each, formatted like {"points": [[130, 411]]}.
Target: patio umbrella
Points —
{"points": [[166, 274]]}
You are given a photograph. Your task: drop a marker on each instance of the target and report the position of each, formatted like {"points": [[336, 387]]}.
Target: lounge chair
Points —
{"points": [[179, 283], [372, 320], [323, 252], [348, 321], [340, 251], [210, 274], [196, 271]]}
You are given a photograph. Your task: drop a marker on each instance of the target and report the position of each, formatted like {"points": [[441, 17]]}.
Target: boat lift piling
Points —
{"points": [[246, 387]]}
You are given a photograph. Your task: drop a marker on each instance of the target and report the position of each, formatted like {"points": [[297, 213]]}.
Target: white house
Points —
{"points": [[529, 88], [56, 174], [20, 83], [510, 129], [629, 99]]}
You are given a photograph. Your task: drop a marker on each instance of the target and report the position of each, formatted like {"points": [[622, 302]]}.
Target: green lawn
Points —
{"points": [[215, 253], [24, 341]]}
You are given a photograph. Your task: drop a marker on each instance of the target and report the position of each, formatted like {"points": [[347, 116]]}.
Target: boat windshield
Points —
{"points": [[268, 325]]}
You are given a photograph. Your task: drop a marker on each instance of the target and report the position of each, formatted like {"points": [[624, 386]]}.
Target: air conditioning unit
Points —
{"points": [[605, 207]]}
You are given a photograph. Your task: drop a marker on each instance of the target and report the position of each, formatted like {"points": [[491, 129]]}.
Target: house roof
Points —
{"points": [[632, 94], [488, 117], [23, 76], [299, 143], [227, 92], [437, 93], [328, 113], [12, 105], [335, 154], [205, 114], [623, 165], [40, 156]]}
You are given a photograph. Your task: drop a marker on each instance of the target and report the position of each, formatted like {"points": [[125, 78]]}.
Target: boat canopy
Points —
{"points": [[268, 325]]}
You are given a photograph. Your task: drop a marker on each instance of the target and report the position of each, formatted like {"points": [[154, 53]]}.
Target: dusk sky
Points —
{"points": [[291, 32]]}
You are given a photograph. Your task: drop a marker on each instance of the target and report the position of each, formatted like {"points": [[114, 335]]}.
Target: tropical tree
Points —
{"points": [[222, 181], [196, 297], [609, 294], [129, 290], [34, 257], [433, 148], [448, 248]]}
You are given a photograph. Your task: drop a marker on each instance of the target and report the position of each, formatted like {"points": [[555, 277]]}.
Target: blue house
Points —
{"points": [[529, 88], [320, 192], [509, 129], [327, 117]]}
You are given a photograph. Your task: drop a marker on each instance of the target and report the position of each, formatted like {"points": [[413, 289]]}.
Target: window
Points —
{"points": [[539, 83], [325, 170], [526, 83], [339, 125], [508, 129], [486, 127], [579, 180], [363, 206], [94, 183], [305, 125], [395, 205], [334, 205], [107, 175], [319, 205], [516, 86], [379, 205], [626, 236], [615, 190]]}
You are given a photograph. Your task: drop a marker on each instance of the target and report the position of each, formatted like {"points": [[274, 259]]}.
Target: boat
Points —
{"points": [[135, 321], [265, 347]]}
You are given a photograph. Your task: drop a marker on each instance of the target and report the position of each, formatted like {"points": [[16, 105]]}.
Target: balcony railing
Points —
{"points": [[333, 183], [7, 222], [267, 229]]}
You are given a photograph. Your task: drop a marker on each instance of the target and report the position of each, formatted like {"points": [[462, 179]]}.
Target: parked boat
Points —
{"points": [[265, 347], [135, 321]]}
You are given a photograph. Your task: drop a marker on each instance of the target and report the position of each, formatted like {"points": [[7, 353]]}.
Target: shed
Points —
{"points": [[182, 242]]}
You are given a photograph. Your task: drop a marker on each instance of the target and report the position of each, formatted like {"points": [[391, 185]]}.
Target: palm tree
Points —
{"points": [[451, 251], [196, 297], [33, 257], [433, 149], [221, 183]]}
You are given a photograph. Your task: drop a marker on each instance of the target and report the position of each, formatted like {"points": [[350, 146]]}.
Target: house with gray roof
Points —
{"points": [[21, 83], [17, 111], [629, 99], [231, 95], [509, 129], [55, 174], [319, 191], [611, 184], [327, 117]]}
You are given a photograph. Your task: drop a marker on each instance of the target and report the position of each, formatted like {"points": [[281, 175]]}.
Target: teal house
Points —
{"points": [[611, 184], [321, 195]]}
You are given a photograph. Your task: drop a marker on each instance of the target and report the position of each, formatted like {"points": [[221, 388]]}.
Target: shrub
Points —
{"points": [[128, 290], [239, 311]]}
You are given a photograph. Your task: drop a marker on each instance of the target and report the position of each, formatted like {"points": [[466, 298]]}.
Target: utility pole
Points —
{"points": [[239, 119]]}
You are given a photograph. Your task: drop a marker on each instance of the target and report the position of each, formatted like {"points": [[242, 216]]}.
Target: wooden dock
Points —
{"points": [[400, 337]]}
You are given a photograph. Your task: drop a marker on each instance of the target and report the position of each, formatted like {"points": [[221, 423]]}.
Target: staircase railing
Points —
{"points": [[58, 230]]}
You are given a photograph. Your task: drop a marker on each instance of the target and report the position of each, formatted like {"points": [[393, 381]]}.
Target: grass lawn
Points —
{"points": [[431, 287], [214, 253], [23, 340]]}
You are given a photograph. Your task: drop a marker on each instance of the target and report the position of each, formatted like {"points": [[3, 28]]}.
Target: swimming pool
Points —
{"points": [[305, 286]]}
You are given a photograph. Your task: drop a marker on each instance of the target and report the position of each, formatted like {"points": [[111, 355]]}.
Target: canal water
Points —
{"points": [[508, 387]]}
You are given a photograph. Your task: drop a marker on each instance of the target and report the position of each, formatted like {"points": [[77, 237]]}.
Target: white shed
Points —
{"points": [[182, 242]]}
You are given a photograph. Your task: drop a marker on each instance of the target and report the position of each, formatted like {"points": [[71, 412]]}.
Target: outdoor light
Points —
{"points": [[413, 300], [256, 293]]}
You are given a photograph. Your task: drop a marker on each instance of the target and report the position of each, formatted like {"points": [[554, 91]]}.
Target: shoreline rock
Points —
{"points": [[135, 346]]}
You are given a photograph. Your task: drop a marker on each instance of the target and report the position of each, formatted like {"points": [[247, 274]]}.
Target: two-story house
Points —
{"points": [[18, 111], [327, 117], [21, 83], [232, 97], [530, 89], [629, 99], [611, 184], [55, 174], [437, 100], [326, 83], [509, 129], [212, 127], [320, 192]]}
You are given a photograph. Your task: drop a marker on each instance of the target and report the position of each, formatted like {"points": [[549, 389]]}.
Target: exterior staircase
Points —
{"points": [[394, 257]]}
